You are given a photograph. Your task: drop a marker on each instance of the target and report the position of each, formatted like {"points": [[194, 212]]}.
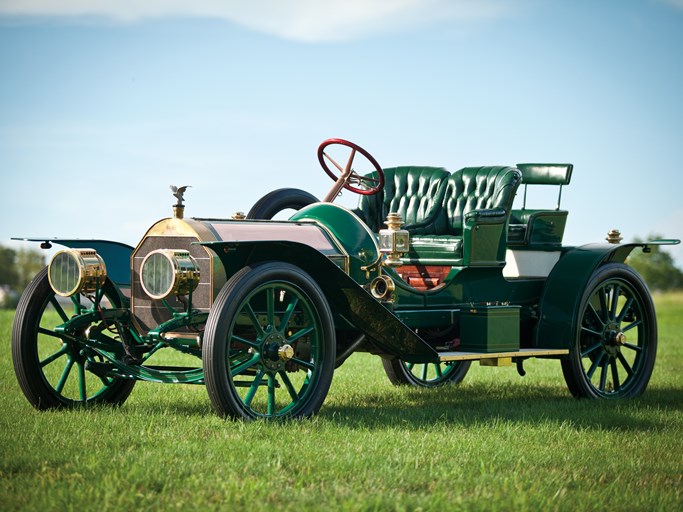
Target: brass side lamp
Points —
{"points": [[394, 241]]}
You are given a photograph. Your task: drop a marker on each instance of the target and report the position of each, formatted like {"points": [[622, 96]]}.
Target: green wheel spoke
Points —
{"points": [[591, 331], [299, 334], [48, 332], [270, 306], [410, 366], [271, 395], [59, 309], [603, 375], [81, 382], [591, 349], [254, 387], [63, 350], [306, 364], [602, 295], [288, 384], [633, 347], [632, 325], [625, 309], [439, 373], [249, 343], [595, 313], [625, 364], [425, 367], [65, 374], [616, 292], [246, 365], [254, 319], [615, 374], [288, 313], [595, 365]]}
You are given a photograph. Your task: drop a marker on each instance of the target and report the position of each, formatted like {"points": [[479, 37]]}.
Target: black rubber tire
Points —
{"points": [[278, 200], [25, 352], [600, 323], [220, 340], [400, 374]]}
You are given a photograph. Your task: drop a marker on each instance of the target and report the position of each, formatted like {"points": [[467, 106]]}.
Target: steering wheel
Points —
{"points": [[349, 179]]}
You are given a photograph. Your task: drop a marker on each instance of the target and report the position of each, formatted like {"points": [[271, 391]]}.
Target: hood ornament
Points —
{"points": [[179, 206]]}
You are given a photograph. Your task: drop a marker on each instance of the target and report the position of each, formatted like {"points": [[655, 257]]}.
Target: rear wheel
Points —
{"points": [[269, 344], [425, 374], [616, 340], [52, 368]]}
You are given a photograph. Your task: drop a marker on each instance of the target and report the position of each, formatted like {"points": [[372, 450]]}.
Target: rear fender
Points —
{"points": [[563, 291], [346, 298], [116, 255]]}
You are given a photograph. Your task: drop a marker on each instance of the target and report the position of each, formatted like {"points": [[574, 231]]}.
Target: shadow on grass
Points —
{"points": [[482, 404]]}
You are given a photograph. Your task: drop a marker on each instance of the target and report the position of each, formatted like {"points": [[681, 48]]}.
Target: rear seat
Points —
{"points": [[540, 228]]}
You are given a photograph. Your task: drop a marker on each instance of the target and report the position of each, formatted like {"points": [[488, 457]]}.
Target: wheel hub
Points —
{"points": [[275, 351]]}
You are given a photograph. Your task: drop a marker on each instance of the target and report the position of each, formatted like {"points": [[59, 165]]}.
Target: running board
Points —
{"points": [[524, 352]]}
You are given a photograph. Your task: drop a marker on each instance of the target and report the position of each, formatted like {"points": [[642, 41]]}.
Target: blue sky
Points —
{"points": [[104, 104]]}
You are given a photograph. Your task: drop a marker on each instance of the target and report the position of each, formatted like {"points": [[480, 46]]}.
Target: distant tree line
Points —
{"points": [[657, 267], [17, 268]]}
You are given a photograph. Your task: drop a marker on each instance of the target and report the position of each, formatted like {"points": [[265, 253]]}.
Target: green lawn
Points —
{"points": [[496, 442]]}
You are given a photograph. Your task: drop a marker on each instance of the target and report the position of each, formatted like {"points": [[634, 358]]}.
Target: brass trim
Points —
{"points": [[525, 352]]}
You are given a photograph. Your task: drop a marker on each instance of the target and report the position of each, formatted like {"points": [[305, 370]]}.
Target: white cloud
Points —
{"points": [[675, 3], [301, 20]]}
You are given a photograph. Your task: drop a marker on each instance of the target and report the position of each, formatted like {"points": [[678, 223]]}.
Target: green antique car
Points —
{"points": [[431, 271]]}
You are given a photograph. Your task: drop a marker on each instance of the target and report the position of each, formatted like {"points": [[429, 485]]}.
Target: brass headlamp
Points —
{"points": [[73, 271], [167, 272]]}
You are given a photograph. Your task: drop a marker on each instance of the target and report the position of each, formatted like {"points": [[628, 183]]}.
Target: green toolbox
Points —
{"points": [[489, 329]]}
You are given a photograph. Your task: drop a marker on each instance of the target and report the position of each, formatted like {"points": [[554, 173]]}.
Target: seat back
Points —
{"points": [[477, 188], [416, 192]]}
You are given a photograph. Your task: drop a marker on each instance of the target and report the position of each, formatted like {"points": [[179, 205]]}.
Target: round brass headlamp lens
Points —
{"points": [[73, 271], [167, 272]]}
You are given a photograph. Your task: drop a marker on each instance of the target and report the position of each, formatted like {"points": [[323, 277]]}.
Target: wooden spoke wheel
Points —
{"points": [[54, 369], [269, 347], [616, 336]]}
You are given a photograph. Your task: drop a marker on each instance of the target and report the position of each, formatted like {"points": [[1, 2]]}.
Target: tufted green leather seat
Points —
{"points": [[475, 198], [414, 192]]}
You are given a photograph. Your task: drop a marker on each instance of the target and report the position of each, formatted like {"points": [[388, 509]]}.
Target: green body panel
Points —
{"points": [[357, 241], [350, 302], [564, 290], [116, 255]]}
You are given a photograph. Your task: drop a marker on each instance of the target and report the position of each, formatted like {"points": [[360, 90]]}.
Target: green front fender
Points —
{"points": [[116, 255], [564, 289], [347, 298]]}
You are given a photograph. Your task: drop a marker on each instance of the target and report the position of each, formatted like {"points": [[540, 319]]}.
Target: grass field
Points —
{"points": [[497, 442]]}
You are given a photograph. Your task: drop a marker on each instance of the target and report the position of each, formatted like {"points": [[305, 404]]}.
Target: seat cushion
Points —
{"points": [[415, 192], [435, 250]]}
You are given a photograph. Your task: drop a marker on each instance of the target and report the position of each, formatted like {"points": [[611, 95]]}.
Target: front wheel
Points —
{"points": [[269, 344], [53, 368], [616, 336]]}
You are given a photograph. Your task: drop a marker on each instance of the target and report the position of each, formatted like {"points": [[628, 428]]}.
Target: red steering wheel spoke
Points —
{"points": [[346, 177]]}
